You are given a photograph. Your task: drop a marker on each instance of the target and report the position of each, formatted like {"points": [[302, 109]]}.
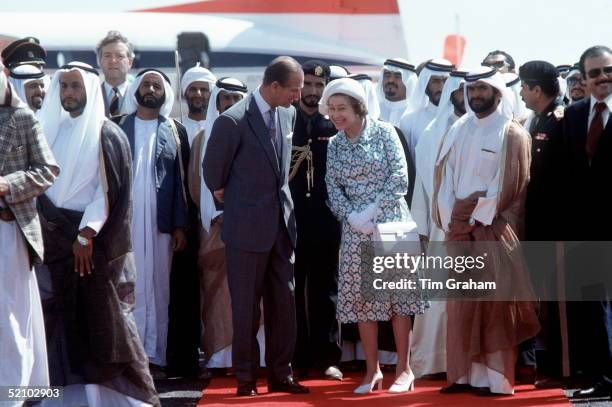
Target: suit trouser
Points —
{"points": [[251, 276]]}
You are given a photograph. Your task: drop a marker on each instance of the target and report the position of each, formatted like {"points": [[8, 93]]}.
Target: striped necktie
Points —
{"points": [[113, 108]]}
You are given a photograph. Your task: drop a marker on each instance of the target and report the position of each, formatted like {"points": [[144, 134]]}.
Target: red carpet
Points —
{"points": [[221, 392]]}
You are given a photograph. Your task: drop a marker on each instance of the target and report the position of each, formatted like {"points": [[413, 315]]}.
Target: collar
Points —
{"points": [[263, 106], [363, 137], [551, 106], [121, 88], [607, 101]]}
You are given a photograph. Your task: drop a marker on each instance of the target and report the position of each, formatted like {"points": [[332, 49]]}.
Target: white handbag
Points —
{"points": [[396, 232], [396, 237]]}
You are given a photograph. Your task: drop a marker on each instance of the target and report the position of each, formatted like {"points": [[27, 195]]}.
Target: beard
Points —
{"points": [[391, 89], [483, 104], [310, 100], [194, 109], [434, 98], [149, 100], [459, 105], [78, 106], [36, 102]]}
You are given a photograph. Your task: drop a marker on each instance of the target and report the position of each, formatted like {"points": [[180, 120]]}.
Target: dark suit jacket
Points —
{"points": [[169, 181], [240, 157], [587, 187]]}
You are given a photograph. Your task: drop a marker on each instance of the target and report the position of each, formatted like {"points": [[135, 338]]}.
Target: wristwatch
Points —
{"points": [[83, 241]]}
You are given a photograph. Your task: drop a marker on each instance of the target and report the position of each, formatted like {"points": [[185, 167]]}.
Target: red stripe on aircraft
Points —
{"points": [[284, 6]]}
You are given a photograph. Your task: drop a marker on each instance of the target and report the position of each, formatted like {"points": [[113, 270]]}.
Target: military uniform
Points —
{"points": [[318, 245], [541, 206]]}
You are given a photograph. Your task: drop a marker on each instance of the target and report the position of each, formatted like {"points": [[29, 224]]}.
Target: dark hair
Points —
{"points": [[280, 70], [592, 52], [509, 59], [358, 107], [112, 37], [549, 88]]}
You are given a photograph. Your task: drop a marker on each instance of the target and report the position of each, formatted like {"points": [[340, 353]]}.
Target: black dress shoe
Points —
{"points": [[246, 390], [596, 392], [456, 388], [287, 385]]}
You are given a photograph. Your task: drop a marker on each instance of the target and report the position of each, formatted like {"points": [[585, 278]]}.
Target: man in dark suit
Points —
{"points": [[588, 133], [246, 166]]}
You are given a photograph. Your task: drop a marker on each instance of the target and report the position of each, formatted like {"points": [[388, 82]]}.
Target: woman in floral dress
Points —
{"points": [[366, 181]]}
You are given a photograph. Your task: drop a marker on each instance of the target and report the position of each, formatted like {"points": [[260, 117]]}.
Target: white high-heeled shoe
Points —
{"points": [[367, 387], [406, 383]]}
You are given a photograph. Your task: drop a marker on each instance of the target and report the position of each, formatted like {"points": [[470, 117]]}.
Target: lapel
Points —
{"points": [[258, 126], [583, 117], [164, 131], [106, 104], [128, 128], [6, 129]]}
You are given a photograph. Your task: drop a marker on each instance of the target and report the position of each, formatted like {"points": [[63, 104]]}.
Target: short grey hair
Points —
{"points": [[112, 37]]}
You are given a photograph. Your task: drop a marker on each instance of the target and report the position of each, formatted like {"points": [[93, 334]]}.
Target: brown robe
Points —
{"points": [[477, 329], [215, 301]]}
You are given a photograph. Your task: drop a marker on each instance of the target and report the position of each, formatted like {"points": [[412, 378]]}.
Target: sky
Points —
{"points": [[553, 30]]}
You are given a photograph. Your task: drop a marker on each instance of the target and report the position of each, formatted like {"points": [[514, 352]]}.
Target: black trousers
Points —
{"points": [[252, 276], [316, 292]]}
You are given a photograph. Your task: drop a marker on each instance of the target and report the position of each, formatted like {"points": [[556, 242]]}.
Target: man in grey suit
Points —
{"points": [[246, 165], [115, 56]]}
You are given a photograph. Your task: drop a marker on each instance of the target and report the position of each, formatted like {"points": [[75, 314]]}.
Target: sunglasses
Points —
{"points": [[573, 80], [496, 65], [595, 72]]}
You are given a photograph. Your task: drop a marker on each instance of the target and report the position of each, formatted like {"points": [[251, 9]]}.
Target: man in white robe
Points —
{"points": [[30, 83], [160, 151], [24, 174], [397, 83], [94, 351], [482, 172], [520, 111], [196, 87], [423, 105], [428, 346]]}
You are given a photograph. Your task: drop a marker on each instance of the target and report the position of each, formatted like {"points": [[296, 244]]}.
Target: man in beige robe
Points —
{"points": [[481, 177]]}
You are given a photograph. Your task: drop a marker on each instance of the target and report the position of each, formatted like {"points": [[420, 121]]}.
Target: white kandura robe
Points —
{"points": [[152, 249], [428, 340], [23, 347], [414, 123], [392, 112], [474, 164], [193, 127]]}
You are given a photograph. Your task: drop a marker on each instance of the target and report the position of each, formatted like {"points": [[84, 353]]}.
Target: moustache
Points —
{"points": [[391, 85], [602, 82]]}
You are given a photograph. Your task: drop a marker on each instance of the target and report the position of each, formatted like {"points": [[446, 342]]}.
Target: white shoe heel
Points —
{"points": [[367, 387], [406, 386]]}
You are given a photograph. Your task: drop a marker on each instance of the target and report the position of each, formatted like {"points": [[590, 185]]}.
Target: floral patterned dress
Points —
{"points": [[358, 172]]}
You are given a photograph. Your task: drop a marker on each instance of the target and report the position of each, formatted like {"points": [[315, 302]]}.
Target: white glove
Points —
{"points": [[371, 212], [368, 228], [356, 220]]}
